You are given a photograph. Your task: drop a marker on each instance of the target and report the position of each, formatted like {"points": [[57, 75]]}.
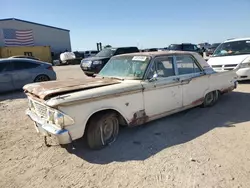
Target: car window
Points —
{"points": [[164, 66], [22, 64], [120, 51], [5, 66], [189, 47], [186, 65]]}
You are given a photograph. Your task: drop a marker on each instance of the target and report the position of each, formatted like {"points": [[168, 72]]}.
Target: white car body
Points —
{"points": [[239, 62], [136, 101]]}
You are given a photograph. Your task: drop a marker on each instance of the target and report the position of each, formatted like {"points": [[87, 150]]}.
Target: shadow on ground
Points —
{"points": [[139, 143], [19, 94]]}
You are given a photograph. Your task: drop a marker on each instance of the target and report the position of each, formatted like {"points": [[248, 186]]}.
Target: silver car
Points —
{"points": [[16, 72]]}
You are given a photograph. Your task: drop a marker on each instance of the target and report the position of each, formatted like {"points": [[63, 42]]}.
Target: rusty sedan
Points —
{"points": [[130, 90]]}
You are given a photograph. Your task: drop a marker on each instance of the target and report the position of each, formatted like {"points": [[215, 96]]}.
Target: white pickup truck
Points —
{"points": [[130, 90]]}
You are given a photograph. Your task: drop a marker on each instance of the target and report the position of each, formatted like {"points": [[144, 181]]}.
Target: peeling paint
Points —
{"points": [[139, 118]]}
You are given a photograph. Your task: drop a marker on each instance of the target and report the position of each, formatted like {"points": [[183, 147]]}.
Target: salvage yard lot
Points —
{"points": [[201, 147]]}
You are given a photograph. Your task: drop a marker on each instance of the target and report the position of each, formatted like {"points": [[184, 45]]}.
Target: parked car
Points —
{"points": [[212, 48], [186, 47], [130, 90], [233, 54], [93, 65], [24, 56], [17, 72], [90, 53]]}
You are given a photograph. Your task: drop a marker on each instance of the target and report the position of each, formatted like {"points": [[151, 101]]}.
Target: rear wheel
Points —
{"points": [[210, 99], [41, 78], [102, 130]]}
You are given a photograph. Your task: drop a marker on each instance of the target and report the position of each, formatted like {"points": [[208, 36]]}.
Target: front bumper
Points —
{"points": [[47, 129]]}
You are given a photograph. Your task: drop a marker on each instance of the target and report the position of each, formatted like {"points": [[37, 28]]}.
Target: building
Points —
{"points": [[16, 32]]}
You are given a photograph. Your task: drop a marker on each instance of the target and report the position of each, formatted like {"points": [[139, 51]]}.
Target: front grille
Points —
{"points": [[233, 65], [216, 66], [40, 109]]}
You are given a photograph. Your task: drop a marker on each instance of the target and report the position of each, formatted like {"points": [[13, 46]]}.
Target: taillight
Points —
{"points": [[50, 68]]}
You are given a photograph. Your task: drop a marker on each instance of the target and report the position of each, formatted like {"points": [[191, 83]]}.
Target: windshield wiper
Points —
{"points": [[117, 78]]}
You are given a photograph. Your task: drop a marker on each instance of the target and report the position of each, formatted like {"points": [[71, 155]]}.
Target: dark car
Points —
{"points": [[211, 50], [93, 65], [186, 47]]}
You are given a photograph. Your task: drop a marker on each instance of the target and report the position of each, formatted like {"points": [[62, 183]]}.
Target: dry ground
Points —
{"points": [[197, 148]]}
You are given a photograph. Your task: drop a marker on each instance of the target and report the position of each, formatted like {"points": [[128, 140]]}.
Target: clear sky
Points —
{"points": [[142, 23]]}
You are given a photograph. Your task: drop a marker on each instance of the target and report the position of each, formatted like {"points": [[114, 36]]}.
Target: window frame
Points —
{"points": [[194, 60], [152, 63]]}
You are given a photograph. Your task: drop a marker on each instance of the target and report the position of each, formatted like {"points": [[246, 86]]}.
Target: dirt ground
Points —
{"points": [[207, 148]]}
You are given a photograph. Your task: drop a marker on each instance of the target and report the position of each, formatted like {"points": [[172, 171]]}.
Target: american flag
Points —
{"points": [[13, 37]]}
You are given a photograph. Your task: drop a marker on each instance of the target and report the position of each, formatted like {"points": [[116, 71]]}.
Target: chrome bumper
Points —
{"points": [[46, 129]]}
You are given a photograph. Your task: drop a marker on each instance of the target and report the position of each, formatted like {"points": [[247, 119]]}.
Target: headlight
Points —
{"points": [[245, 63], [97, 62], [59, 119]]}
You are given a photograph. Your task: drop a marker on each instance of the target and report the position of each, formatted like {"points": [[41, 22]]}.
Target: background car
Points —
{"points": [[211, 49], [16, 72], [24, 56], [186, 47], [93, 65]]}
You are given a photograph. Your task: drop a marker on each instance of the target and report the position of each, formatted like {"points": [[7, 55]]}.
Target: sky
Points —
{"points": [[141, 23]]}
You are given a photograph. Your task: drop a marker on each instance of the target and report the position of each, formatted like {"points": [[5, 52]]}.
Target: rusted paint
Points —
{"points": [[198, 101], [46, 90], [227, 90], [139, 118]]}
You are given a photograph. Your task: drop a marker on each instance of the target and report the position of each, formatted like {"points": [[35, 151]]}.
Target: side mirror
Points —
{"points": [[154, 78]]}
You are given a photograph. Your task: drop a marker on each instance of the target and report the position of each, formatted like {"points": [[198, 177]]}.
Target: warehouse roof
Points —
{"points": [[9, 19]]}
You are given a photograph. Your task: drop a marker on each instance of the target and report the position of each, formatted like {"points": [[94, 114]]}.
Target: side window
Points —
{"points": [[164, 66], [22, 65], [5, 66], [188, 47], [186, 65], [2, 67]]}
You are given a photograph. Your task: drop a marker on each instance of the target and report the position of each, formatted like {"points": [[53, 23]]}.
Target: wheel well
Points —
{"points": [[42, 75], [121, 119]]}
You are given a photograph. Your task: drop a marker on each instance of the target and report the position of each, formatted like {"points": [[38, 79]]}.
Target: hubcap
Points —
{"points": [[107, 129], [209, 98]]}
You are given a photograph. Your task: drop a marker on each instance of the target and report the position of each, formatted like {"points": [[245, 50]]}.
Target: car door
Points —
{"points": [[193, 79], [6, 83], [22, 72], [164, 94]]}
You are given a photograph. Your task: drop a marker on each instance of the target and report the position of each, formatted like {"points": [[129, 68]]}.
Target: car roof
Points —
{"points": [[237, 39], [21, 59], [123, 47], [160, 53]]}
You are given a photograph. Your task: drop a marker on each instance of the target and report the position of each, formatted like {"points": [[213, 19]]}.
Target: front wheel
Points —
{"points": [[102, 130]]}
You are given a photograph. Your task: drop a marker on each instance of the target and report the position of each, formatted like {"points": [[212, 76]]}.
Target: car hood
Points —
{"points": [[47, 90], [227, 60], [95, 58]]}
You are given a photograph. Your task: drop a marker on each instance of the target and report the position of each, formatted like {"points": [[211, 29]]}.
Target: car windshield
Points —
{"points": [[126, 67], [106, 52], [233, 48]]}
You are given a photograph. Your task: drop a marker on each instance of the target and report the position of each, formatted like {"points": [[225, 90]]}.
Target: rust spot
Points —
{"points": [[139, 118], [198, 101], [227, 90]]}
